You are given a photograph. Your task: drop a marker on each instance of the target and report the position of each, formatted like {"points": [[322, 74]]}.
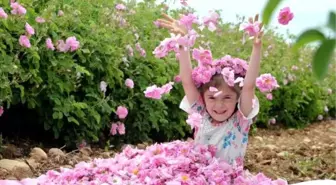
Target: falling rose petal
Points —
{"points": [[218, 93], [184, 2], [269, 96], [285, 16], [213, 89], [240, 80]]}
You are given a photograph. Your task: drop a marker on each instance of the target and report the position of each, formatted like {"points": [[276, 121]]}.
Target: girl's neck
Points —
{"points": [[217, 123]]}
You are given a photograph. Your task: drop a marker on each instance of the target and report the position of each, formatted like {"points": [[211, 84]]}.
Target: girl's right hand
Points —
{"points": [[172, 25]]}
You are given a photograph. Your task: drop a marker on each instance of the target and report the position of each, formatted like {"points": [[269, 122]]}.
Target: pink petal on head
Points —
{"points": [[218, 93], [213, 89]]}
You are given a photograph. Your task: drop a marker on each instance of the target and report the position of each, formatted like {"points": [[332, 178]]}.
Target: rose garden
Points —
{"points": [[90, 94]]}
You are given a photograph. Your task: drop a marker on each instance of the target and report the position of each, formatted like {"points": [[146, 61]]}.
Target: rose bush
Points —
{"points": [[72, 70]]}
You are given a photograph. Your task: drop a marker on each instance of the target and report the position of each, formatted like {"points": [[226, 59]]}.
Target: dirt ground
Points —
{"points": [[296, 155]]}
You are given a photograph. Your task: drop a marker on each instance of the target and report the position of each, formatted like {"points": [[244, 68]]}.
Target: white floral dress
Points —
{"points": [[230, 137]]}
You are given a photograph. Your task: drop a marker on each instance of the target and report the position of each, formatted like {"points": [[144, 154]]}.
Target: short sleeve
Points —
{"points": [[255, 109], [197, 106]]}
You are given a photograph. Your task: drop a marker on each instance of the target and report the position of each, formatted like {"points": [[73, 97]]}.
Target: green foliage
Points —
{"points": [[268, 10], [63, 88], [325, 52]]}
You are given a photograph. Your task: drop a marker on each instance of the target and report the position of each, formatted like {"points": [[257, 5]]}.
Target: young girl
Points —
{"points": [[227, 109]]}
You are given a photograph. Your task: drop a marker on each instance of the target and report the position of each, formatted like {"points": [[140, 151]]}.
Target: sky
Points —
{"points": [[307, 13]]}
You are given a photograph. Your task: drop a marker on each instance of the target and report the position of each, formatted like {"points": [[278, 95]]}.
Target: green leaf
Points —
{"points": [[85, 51], [4, 22], [60, 115], [268, 10], [97, 117], [72, 119], [322, 58], [80, 105], [332, 21], [55, 115], [56, 132], [308, 36]]}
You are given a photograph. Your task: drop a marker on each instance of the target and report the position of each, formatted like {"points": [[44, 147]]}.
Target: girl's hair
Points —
{"points": [[217, 81]]}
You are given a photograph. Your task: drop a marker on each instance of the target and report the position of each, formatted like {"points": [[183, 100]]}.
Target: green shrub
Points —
{"points": [[64, 87]]}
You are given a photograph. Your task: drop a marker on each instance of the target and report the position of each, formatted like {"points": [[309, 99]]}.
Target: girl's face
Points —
{"points": [[220, 106]]}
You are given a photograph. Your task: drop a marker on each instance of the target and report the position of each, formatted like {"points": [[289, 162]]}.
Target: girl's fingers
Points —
{"points": [[165, 25], [257, 39], [169, 19], [256, 17], [180, 32], [261, 25], [164, 21], [260, 34], [176, 31]]}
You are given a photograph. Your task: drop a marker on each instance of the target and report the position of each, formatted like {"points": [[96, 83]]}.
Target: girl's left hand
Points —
{"points": [[257, 38]]}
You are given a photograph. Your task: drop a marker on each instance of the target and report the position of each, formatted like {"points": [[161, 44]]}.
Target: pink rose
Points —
{"points": [[24, 41], [228, 76], [166, 88], [72, 43], [3, 14], [285, 15], [184, 2], [177, 78], [121, 128], [269, 96], [117, 127], [252, 29], [188, 20], [120, 7], [194, 120], [213, 18], [49, 44], [266, 83], [30, 30], [17, 9], [153, 92], [61, 46], [122, 112], [204, 57], [129, 83], [114, 127], [39, 20]]}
